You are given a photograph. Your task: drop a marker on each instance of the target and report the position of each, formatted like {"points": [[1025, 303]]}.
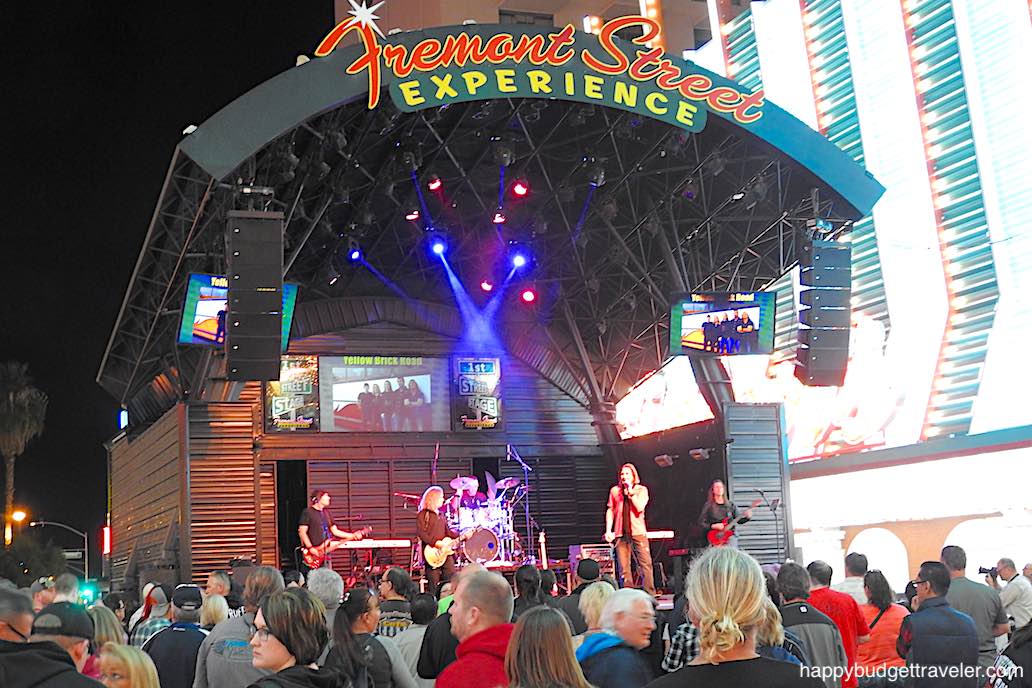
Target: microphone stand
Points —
{"points": [[510, 454], [777, 523]]}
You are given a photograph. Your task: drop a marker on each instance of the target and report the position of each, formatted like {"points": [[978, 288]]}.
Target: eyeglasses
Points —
{"points": [[262, 634], [918, 581]]}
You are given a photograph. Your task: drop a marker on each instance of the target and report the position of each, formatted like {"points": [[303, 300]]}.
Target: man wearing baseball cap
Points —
{"points": [[174, 649], [59, 647], [43, 592], [156, 619], [588, 572]]}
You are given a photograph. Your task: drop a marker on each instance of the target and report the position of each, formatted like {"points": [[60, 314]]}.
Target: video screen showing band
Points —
{"points": [[370, 393], [204, 310], [721, 323]]}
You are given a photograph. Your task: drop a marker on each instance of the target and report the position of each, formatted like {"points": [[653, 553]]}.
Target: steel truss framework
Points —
{"points": [[676, 212]]}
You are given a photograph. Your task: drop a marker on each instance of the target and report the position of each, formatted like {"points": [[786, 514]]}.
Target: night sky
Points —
{"points": [[100, 95]]}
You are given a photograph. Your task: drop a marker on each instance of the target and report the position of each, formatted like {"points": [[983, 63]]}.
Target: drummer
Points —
{"points": [[467, 493]]}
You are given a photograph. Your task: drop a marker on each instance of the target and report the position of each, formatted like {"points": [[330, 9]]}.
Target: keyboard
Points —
{"points": [[375, 544]]}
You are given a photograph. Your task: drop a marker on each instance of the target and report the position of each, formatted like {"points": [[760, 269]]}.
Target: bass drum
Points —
{"points": [[481, 547]]}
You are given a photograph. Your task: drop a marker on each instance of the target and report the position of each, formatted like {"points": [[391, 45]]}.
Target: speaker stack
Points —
{"points": [[254, 316], [824, 315]]}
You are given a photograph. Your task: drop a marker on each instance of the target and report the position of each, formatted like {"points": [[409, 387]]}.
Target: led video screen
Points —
{"points": [[372, 393], [721, 323], [204, 310]]}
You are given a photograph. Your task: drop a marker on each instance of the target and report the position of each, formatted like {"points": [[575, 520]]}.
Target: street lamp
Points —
{"points": [[85, 542]]}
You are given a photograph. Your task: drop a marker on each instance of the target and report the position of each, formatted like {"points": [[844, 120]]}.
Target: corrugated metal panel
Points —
{"points": [[567, 499], [268, 554], [362, 494], [538, 417], [758, 459], [394, 317], [145, 497], [222, 486]]}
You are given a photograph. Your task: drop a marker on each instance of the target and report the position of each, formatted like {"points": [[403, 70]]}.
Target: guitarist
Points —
{"points": [[718, 510], [431, 528], [316, 525]]}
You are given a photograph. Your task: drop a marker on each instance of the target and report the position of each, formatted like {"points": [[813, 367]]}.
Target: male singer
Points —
{"points": [[625, 524]]}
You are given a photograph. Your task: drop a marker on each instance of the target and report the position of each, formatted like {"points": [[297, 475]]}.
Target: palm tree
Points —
{"points": [[22, 410]]}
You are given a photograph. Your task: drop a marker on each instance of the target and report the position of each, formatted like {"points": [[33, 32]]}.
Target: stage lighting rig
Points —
{"points": [[528, 295], [504, 154], [412, 215], [520, 187], [409, 155], [438, 243], [354, 251], [434, 183], [499, 217]]}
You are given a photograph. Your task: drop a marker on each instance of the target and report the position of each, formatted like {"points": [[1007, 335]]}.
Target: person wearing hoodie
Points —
{"points": [[60, 640], [290, 634], [612, 658], [480, 622], [224, 658], [588, 572]]}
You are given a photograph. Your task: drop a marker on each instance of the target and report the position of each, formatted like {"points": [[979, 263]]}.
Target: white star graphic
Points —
{"points": [[365, 15]]}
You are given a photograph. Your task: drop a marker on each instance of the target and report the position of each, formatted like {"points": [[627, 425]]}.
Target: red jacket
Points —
{"points": [[480, 661]]}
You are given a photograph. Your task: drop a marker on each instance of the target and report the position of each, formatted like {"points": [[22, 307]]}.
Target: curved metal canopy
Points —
{"points": [[720, 209]]}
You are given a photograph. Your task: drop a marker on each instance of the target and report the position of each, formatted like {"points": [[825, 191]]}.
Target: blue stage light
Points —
{"points": [[355, 254], [519, 260], [438, 246]]}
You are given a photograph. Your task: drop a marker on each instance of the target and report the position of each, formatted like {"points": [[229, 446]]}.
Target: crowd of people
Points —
{"points": [[737, 624]]}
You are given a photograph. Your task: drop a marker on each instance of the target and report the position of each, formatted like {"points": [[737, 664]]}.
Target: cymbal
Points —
{"points": [[507, 483], [462, 482]]}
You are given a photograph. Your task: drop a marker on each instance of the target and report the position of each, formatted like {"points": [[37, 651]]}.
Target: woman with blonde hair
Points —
{"points": [[106, 629], [728, 603], [540, 654], [214, 610], [122, 666], [592, 599]]}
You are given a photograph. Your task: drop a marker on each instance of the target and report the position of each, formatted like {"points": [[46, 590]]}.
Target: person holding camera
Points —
{"points": [[1016, 595], [978, 601]]}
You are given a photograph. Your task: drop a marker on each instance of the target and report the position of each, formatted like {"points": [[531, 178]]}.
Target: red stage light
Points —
{"points": [[486, 285], [499, 218], [412, 215], [521, 188], [528, 296], [435, 183], [105, 547]]}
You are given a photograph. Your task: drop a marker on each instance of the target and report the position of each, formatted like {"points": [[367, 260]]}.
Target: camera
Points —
{"points": [[992, 572]]}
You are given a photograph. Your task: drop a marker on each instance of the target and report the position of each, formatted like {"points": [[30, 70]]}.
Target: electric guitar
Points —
{"points": [[719, 538], [315, 556], [435, 556]]}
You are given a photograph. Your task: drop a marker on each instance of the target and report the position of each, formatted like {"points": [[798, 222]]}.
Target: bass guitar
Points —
{"points": [[719, 538], [435, 556], [316, 556]]}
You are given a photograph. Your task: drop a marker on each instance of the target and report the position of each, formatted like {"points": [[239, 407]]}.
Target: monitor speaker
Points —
{"points": [[824, 314], [254, 317]]}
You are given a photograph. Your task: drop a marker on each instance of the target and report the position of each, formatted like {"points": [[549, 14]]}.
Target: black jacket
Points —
{"points": [[303, 677], [438, 648], [939, 635], [174, 653], [39, 665], [570, 606]]}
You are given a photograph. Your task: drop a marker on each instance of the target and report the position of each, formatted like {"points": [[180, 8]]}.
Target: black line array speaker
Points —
{"points": [[824, 315], [254, 315]]}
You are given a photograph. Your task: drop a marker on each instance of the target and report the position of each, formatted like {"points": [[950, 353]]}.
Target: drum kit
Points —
{"points": [[486, 521]]}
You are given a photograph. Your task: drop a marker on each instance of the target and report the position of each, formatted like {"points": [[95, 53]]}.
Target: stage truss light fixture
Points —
{"points": [[520, 188], [486, 285], [438, 244], [434, 183], [412, 215], [499, 217], [354, 251], [528, 295], [519, 260]]}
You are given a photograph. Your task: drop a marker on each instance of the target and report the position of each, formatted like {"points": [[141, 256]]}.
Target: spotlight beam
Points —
{"points": [[501, 186]]}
